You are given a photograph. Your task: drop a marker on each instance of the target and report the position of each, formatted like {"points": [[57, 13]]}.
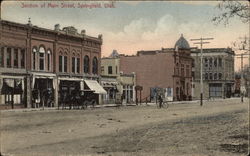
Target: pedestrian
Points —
{"points": [[160, 101]]}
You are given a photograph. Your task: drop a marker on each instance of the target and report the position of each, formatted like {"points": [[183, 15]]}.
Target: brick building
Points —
{"points": [[34, 59], [167, 70], [218, 72]]}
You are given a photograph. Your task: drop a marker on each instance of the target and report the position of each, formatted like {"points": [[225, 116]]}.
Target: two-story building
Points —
{"points": [[35, 59], [218, 72], [119, 86]]}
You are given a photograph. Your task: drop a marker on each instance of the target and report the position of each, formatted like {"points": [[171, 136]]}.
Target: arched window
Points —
{"points": [[34, 50], [86, 64], [41, 58], [95, 66], [49, 59]]}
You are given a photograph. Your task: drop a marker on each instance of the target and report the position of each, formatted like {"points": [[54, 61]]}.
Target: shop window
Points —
{"points": [[15, 57], [2, 57], [8, 59], [95, 66], [41, 58], [22, 58], [110, 70], [86, 64]]}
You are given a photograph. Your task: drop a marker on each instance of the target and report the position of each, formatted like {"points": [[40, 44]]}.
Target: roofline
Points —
{"points": [[50, 30]]}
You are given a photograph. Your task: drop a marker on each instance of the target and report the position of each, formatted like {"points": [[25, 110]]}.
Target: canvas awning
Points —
{"points": [[94, 85]]}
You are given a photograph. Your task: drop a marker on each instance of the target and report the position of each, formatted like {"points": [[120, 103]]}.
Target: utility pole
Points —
{"points": [[201, 78], [241, 75]]}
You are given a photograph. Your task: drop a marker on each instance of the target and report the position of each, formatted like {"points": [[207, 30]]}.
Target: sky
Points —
{"points": [[130, 26]]}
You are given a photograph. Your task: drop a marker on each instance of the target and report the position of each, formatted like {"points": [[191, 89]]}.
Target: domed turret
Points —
{"points": [[114, 54], [182, 43]]}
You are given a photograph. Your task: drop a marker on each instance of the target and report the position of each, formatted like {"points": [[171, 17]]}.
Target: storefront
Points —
{"points": [[43, 90], [12, 91], [112, 95]]}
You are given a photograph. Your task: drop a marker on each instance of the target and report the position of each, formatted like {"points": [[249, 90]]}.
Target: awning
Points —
{"points": [[94, 85]]}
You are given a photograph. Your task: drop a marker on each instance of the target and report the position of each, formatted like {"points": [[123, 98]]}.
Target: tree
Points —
{"points": [[230, 9]]}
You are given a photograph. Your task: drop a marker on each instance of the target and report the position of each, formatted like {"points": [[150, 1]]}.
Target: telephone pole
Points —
{"points": [[201, 51], [241, 75]]}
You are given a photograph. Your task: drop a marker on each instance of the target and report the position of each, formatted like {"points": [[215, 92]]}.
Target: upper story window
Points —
{"points": [[102, 69], [75, 65], [22, 58], [182, 69], [187, 71], [215, 62], [210, 63], [220, 76], [63, 63], [215, 76], [78, 65], [2, 57], [49, 59], [41, 58], [220, 62], [110, 70], [95, 66], [210, 76], [15, 58], [86, 64], [34, 50], [8, 58], [206, 62], [206, 76]]}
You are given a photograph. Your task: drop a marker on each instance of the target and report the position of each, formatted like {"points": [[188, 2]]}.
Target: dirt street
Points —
{"points": [[217, 128]]}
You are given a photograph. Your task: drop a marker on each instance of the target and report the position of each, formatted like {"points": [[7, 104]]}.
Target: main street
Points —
{"points": [[219, 127]]}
